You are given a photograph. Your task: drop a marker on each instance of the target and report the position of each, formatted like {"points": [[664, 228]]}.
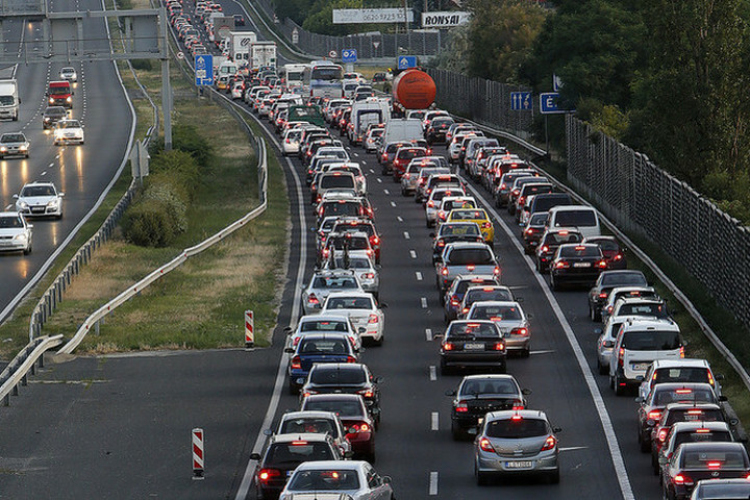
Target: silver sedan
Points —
{"points": [[325, 479]]}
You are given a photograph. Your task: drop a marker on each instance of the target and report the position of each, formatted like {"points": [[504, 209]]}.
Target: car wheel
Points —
{"points": [[483, 479], [444, 370], [27, 251], [552, 283], [619, 390], [457, 432], [554, 477], [602, 369], [526, 352]]}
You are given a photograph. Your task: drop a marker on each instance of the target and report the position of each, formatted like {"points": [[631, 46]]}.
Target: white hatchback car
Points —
{"points": [[15, 233], [68, 131], [39, 199], [362, 309], [352, 479]]}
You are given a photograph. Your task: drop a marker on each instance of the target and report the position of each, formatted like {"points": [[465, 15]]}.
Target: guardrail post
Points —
{"points": [[24, 380], [6, 400], [96, 328], [41, 361], [15, 390]]}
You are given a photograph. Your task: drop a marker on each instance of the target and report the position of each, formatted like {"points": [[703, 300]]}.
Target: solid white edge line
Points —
{"points": [[433, 483], [247, 478], [609, 432]]}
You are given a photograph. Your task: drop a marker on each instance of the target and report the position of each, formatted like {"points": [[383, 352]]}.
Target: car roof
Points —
{"points": [[308, 414], [488, 303], [363, 295], [508, 414], [679, 426], [493, 376], [300, 436], [331, 464], [681, 363], [339, 366], [324, 317], [671, 386]]}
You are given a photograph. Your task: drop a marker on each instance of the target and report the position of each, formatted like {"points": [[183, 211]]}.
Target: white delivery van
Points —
{"points": [[403, 130], [581, 217], [9, 99], [364, 113]]}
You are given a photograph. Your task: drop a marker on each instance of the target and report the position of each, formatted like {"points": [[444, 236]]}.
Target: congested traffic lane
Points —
{"points": [[81, 172]]}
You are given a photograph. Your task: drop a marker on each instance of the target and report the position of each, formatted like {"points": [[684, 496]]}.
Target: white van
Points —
{"points": [[365, 113], [403, 130], [581, 217]]}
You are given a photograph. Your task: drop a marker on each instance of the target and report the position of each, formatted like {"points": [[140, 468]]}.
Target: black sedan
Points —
{"points": [[479, 394], [695, 461], [472, 344], [345, 378], [605, 283], [576, 264], [454, 232]]}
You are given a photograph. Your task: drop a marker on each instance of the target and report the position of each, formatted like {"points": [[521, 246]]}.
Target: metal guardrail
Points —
{"points": [[15, 373], [661, 275]]}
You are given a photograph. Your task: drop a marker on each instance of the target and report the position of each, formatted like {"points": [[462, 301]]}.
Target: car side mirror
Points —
{"points": [[530, 316], [450, 393], [719, 376], [519, 299], [31, 226], [525, 392], [598, 331], [289, 350], [557, 430], [437, 336], [384, 305], [60, 194], [15, 196], [361, 329], [313, 229], [301, 381], [378, 379], [432, 235], [387, 479], [639, 400], [348, 454], [723, 399], [255, 456], [639, 378], [287, 330], [268, 432]]}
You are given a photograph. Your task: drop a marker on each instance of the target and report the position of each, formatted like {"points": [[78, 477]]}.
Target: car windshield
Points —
{"points": [[562, 237], [580, 251], [59, 90], [349, 303], [328, 375], [468, 215], [323, 346], [335, 282], [539, 219], [516, 428], [682, 374], [323, 326], [662, 397], [491, 294], [69, 124], [497, 313], [344, 408], [328, 480], [488, 386], [7, 222], [314, 425], [651, 340], [710, 459], [297, 452], [459, 230], [470, 329], [12, 138], [30, 191], [463, 256]]}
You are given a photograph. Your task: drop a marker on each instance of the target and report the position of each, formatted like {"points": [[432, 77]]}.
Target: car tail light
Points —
{"points": [[544, 249], [465, 310], [361, 427], [485, 445], [366, 393], [471, 267], [487, 225], [662, 435], [496, 271], [266, 475], [373, 319], [312, 299], [304, 395], [368, 276], [430, 204], [683, 479], [603, 295], [621, 356], [550, 443], [682, 351], [562, 264], [617, 257], [296, 363], [529, 230], [524, 332], [498, 346], [448, 346], [351, 359], [654, 415], [444, 272], [455, 300], [602, 264], [462, 408], [518, 405]]}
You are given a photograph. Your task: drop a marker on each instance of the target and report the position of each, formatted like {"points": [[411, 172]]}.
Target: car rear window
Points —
{"points": [[462, 214], [326, 375], [709, 459], [658, 310], [489, 386], [459, 230], [342, 408], [694, 415], [323, 346], [481, 295], [464, 285], [497, 313], [682, 374], [335, 282], [315, 425], [575, 218], [544, 203], [341, 209], [651, 340], [471, 329], [672, 395], [516, 429], [581, 251], [298, 452], [560, 238], [327, 480], [323, 326], [624, 279], [349, 303], [465, 256]]}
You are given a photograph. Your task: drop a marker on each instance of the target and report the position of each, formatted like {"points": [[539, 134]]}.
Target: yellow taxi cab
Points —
{"points": [[222, 83], [478, 215]]}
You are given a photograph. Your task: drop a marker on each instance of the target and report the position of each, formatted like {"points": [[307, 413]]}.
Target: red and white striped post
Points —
{"points": [[198, 453], [249, 330]]}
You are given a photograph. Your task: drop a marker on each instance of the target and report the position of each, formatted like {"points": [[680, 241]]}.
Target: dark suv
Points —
{"points": [[52, 115]]}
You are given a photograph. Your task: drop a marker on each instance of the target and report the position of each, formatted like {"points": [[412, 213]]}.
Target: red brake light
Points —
{"points": [[683, 479], [448, 346], [562, 264], [299, 443], [296, 363], [462, 408], [603, 295], [520, 331], [549, 443], [662, 435], [485, 445], [602, 264], [714, 465], [373, 319], [683, 391], [266, 475], [444, 272], [654, 415], [498, 346], [351, 359]]}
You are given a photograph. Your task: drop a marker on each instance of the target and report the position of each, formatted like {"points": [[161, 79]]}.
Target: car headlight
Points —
{"points": [[21, 236], [23, 147], [46, 118], [3, 149], [69, 99], [52, 204], [51, 100], [22, 205]]}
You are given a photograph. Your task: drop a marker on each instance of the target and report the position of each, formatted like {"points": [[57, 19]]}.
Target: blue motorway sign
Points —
{"points": [[520, 101], [204, 69], [349, 55], [548, 103], [406, 62]]}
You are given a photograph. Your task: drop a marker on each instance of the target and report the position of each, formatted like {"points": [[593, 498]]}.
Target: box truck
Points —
{"points": [[9, 99]]}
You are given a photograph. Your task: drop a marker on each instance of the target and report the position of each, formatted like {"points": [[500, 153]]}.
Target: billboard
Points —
{"points": [[371, 16], [447, 19]]}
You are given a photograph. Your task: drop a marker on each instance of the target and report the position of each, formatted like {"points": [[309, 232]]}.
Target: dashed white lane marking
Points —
{"points": [[44, 173], [413, 254], [386, 191], [379, 179], [406, 235], [435, 422], [433, 483], [433, 373], [372, 172], [423, 300], [393, 204], [548, 351], [419, 276], [8, 207], [398, 217], [573, 448], [428, 334]]}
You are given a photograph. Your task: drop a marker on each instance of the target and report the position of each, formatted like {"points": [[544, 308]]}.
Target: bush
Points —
{"points": [[148, 225], [186, 138], [178, 168], [142, 64]]}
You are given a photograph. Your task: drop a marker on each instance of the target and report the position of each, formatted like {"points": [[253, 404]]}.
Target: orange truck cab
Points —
{"points": [[60, 94]]}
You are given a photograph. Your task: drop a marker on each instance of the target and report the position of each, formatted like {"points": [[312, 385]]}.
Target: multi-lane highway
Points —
{"points": [[81, 172], [119, 427]]}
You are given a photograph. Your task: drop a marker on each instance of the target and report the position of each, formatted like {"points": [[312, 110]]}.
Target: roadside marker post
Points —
{"points": [[198, 454], [249, 331]]}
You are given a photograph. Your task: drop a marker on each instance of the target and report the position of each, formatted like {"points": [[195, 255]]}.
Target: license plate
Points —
{"points": [[640, 366], [527, 464], [473, 347], [582, 264]]}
